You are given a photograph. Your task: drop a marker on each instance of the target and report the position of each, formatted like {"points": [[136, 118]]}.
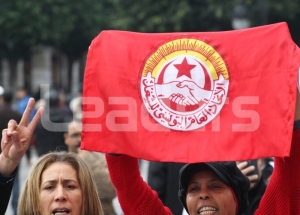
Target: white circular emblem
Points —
{"points": [[184, 83]]}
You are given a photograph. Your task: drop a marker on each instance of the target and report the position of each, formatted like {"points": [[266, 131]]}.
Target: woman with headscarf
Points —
{"points": [[211, 187]]}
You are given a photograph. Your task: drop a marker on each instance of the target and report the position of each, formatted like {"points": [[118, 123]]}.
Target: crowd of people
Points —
{"points": [[72, 181]]}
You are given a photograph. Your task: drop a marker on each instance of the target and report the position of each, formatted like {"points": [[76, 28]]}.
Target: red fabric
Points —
{"points": [[262, 63], [134, 195], [282, 195]]}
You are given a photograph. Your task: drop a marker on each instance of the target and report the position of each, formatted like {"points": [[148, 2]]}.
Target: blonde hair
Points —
{"points": [[29, 198]]}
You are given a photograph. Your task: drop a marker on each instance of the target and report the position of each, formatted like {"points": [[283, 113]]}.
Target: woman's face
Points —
{"points": [[207, 194], [60, 193]]}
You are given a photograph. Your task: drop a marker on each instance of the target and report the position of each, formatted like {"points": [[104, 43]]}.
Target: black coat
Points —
{"points": [[46, 139], [163, 177], [6, 114], [5, 192], [254, 197]]}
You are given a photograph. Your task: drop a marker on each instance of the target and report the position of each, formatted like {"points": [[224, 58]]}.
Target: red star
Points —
{"points": [[184, 69]]}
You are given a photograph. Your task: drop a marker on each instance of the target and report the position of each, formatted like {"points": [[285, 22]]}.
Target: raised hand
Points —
{"points": [[247, 171], [16, 139]]}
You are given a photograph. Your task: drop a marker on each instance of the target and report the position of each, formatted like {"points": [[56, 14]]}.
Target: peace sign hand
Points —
{"points": [[16, 139]]}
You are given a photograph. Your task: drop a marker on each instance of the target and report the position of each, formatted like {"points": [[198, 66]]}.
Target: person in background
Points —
{"points": [[76, 104], [47, 135], [6, 111], [163, 177], [63, 104], [268, 168], [98, 166], [14, 143], [258, 182]]}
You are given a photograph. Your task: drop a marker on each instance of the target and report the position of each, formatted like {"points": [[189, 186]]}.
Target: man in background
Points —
{"points": [[47, 137], [97, 162]]}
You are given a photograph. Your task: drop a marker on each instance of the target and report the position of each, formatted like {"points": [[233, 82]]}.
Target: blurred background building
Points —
{"points": [[45, 42]]}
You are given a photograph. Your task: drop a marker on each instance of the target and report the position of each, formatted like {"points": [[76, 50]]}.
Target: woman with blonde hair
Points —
{"points": [[60, 183]]}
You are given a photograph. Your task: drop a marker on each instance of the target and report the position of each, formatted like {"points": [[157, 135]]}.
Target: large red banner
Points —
{"points": [[190, 97]]}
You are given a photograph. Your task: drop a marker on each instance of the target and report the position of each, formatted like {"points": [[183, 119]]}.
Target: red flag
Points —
{"points": [[190, 97]]}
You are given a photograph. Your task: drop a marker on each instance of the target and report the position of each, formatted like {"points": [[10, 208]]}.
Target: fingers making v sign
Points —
{"points": [[16, 139]]}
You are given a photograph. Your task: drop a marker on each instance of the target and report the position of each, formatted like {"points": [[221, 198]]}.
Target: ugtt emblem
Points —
{"points": [[184, 83]]}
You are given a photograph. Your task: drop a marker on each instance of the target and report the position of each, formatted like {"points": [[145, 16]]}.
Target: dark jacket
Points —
{"points": [[255, 194], [6, 185], [163, 177], [46, 139], [254, 197], [6, 114]]}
